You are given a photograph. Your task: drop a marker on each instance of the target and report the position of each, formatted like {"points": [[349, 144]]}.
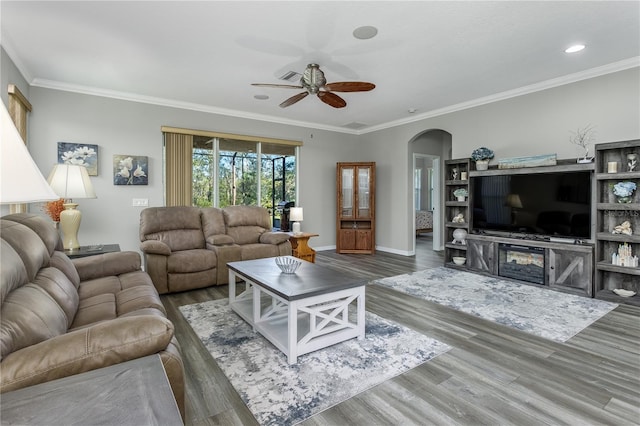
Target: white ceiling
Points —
{"points": [[431, 56]]}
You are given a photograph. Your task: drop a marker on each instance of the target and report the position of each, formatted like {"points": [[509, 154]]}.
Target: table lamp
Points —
{"points": [[20, 178], [295, 216], [71, 181]]}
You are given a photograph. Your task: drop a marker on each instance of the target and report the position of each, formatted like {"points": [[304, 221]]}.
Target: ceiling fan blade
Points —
{"points": [[286, 86], [350, 86], [292, 100], [332, 99]]}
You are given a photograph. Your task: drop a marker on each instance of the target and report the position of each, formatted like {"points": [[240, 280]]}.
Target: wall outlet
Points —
{"points": [[140, 202]]}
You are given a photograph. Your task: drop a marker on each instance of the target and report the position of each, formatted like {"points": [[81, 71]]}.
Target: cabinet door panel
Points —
{"points": [[348, 239], [364, 179], [347, 194], [481, 256], [363, 240], [569, 269]]}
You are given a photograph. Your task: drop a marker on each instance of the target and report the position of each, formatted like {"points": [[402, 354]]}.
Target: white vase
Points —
{"points": [[482, 164], [461, 198]]}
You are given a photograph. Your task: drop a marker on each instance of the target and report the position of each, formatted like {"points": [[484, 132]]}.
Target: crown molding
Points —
{"points": [[132, 97], [525, 90], [548, 84]]}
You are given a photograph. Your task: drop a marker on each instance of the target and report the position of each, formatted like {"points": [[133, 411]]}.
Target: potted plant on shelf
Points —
{"points": [[460, 194], [482, 156]]}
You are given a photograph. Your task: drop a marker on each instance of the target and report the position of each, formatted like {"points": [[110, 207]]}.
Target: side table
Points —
{"points": [[85, 251], [135, 392], [300, 246]]}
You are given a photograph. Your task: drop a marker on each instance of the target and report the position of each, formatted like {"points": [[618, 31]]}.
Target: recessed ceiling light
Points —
{"points": [[411, 110], [575, 48], [261, 97], [365, 33]]}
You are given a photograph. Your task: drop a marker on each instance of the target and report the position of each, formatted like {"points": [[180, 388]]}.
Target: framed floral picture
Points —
{"points": [[130, 170], [79, 153]]}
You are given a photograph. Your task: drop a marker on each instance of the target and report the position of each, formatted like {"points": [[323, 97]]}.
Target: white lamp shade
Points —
{"points": [[20, 178], [71, 181], [295, 214]]}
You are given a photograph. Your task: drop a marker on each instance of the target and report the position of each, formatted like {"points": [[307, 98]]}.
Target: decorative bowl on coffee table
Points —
{"points": [[287, 265]]}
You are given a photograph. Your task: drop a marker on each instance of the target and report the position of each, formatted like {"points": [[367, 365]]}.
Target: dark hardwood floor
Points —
{"points": [[493, 375]]}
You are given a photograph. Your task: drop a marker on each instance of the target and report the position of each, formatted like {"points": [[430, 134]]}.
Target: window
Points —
{"points": [[226, 170]]}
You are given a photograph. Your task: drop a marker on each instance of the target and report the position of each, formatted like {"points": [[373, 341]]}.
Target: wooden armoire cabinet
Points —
{"points": [[355, 220]]}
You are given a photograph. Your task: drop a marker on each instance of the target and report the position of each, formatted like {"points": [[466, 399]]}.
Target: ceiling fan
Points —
{"points": [[314, 82]]}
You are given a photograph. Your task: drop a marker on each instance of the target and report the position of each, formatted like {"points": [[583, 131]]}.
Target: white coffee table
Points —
{"points": [[299, 313]]}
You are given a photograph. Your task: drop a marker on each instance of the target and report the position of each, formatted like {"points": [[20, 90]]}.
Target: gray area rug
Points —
{"points": [[281, 394], [540, 311]]}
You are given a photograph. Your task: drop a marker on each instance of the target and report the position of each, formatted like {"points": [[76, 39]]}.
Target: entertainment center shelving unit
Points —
{"points": [[454, 207], [569, 264], [610, 214]]}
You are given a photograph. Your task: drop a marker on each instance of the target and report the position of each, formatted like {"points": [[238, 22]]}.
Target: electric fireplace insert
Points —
{"points": [[521, 263]]}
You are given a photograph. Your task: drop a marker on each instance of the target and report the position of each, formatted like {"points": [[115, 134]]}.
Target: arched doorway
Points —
{"points": [[427, 152]]}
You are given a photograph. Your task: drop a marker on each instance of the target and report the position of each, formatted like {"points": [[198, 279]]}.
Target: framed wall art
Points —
{"points": [[130, 170], [79, 153]]}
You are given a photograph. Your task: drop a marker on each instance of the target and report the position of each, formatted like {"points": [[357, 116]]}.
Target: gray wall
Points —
{"points": [[121, 127], [538, 123]]}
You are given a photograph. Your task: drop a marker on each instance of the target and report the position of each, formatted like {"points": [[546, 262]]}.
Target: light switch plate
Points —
{"points": [[140, 202]]}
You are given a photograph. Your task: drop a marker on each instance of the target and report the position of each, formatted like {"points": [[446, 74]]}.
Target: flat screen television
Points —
{"points": [[556, 204]]}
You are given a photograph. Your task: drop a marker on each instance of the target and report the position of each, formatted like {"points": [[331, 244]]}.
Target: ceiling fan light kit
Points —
{"points": [[315, 83]]}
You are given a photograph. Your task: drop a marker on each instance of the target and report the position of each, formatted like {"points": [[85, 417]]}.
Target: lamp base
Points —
{"points": [[69, 224], [296, 228]]}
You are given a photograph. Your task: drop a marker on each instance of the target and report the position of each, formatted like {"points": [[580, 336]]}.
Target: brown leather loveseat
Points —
{"points": [[189, 247], [61, 317]]}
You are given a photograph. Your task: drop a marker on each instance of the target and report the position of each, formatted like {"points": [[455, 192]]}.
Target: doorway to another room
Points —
{"points": [[426, 172]]}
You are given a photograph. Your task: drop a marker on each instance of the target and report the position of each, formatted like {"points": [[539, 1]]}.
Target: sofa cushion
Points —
{"points": [[43, 226], [60, 261], [29, 316], [113, 283], [94, 309], [33, 253], [13, 273], [107, 264], [219, 240], [135, 298], [246, 234], [99, 286], [274, 238], [246, 215], [58, 286], [103, 344], [191, 261], [212, 221], [178, 227]]}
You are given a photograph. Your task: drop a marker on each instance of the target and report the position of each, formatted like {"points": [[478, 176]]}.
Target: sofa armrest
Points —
{"points": [[106, 343], [274, 238], [155, 247], [107, 264], [219, 240]]}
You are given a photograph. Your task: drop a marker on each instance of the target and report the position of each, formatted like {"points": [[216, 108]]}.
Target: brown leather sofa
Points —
{"points": [[189, 247], [60, 317]]}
